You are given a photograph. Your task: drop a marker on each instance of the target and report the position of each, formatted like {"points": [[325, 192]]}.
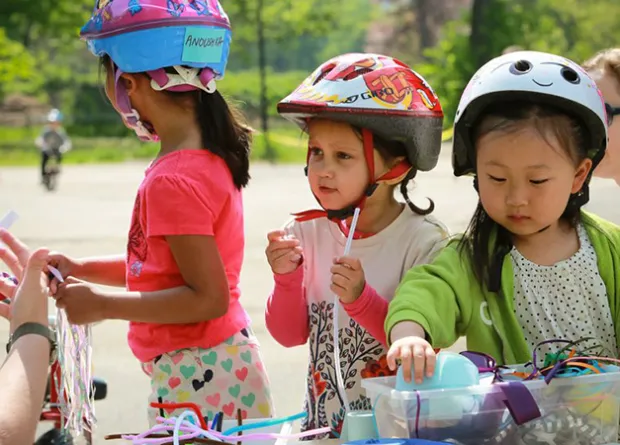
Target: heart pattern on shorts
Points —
{"points": [[228, 378]]}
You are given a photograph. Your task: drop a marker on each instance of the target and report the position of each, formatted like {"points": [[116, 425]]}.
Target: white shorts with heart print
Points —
{"points": [[226, 378]]}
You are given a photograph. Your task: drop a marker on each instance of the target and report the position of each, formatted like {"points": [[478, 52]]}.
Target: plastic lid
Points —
{"points": [[452, 370]]}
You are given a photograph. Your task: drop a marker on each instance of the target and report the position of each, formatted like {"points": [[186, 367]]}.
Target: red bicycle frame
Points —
{"points": [[53, 414]]}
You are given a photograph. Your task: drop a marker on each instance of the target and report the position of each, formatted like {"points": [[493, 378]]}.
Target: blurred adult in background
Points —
{"points": [[604, 67]]}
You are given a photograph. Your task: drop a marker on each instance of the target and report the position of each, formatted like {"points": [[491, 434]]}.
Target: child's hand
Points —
{"points": [[83, 302], [284, 253], [423, 357], [66, 266], [348, 279]]}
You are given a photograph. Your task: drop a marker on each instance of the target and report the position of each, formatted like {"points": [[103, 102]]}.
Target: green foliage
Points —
{"points": [[564, 27], [449, 77], [299, 34], [31, 22], [18, 71], [17, 147], [243, 87], [92, 115]]}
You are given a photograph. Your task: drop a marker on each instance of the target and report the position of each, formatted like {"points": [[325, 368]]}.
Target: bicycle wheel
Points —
{"points": [[55, 437]]}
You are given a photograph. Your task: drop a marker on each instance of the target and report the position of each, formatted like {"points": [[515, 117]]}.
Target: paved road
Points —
{"points": [[89, 215]]}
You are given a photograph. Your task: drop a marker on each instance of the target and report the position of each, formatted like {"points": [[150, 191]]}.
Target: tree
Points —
{"points": [[47, 30], [264, 114], [561, 27], [18, 69], [414, 25], [30, 22], [276, 25]]}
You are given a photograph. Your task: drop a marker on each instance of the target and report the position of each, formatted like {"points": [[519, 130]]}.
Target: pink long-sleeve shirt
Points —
{"points": [[301, 307], [287, 311]]}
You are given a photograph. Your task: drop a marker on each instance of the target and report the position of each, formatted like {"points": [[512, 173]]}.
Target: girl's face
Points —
{"points": [[610, 88], [525, 180], [337, 169]]}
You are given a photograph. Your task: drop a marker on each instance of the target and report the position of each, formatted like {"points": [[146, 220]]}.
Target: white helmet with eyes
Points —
{"points": [[534, 77]]}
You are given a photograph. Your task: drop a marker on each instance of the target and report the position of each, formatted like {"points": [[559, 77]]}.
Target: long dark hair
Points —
{"points": [[223, 128], [224, 133], [390, 150], [507, 118]]}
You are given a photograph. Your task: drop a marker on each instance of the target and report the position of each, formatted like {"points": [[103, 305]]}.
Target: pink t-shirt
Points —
{"points": [[186, 192]]}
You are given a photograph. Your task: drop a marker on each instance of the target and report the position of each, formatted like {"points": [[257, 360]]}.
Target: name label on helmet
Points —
{"points": [[203, 44]]}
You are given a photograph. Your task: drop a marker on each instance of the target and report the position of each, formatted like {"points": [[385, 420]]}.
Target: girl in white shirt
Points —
{"points": [[372, 124]]}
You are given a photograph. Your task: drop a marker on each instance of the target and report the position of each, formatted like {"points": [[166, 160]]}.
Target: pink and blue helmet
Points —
{"points": [[145, 36]]}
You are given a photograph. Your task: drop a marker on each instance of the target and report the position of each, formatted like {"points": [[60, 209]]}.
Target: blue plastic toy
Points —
{"points": [[452, 370]]}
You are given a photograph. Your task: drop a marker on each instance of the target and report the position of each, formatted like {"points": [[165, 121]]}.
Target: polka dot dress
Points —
{"points": [[567, 300]]}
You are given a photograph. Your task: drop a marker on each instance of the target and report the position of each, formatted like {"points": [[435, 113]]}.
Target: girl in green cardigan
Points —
{"points": [[532, 266]]}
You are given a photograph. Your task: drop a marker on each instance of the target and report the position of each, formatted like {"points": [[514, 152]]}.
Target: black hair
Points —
{"points": [[224, 133], [223, 128], [392, 149], [511, 117]]}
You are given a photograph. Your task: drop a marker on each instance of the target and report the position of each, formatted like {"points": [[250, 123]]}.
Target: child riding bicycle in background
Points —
{"points": [[53, 140]]}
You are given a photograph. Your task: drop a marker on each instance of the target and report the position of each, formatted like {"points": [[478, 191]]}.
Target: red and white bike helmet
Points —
{"points": [[535, 77], [380, 95]]}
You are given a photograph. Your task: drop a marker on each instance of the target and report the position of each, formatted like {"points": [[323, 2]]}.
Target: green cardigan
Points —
{"points": [[446, 299]]}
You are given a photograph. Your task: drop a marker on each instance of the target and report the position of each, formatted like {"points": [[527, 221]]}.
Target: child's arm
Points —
{"points": [[184, 212], [204, 297], [66, 141], [286, 315], [104, 270], [40, 140], [370, 311]]}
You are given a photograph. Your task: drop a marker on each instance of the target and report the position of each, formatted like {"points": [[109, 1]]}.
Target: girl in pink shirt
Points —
{"points": [[185, 248], [372, 123]]}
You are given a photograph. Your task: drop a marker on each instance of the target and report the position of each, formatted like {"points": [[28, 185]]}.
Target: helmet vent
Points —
{"points": [[357, 73], [324, 73], [570, 75], [520, 67]]}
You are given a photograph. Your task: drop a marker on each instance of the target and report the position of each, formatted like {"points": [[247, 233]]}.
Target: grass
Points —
{"points": [[17, 148]]}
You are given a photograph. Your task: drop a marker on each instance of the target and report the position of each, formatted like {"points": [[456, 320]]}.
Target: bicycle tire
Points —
{"points": [[55, 437]]}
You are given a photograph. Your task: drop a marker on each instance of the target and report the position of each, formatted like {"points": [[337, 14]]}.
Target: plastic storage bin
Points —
{"points": [[573, 411]]}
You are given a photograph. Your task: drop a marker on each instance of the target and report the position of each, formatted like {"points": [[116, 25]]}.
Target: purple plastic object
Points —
{"points": [[517, 398], [520, 402]]}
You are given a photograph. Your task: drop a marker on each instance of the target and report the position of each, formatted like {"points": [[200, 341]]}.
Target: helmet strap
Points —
{"points": [[186, 79], [130, 115]]}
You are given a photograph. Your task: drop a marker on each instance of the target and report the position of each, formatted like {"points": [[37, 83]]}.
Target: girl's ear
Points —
{"points": [[130, 82], [394, 162], [388, 166], [581, 174]]}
